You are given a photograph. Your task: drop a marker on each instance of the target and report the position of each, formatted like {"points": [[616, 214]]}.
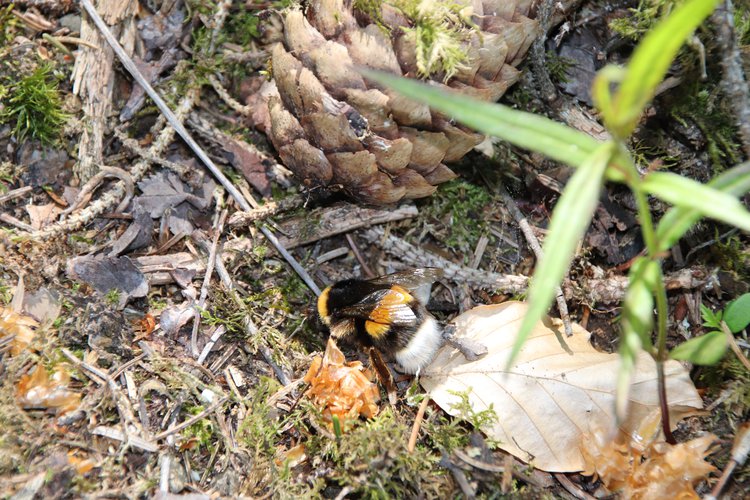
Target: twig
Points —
{"points": [[740, 450], [607, 290], [15, 193], [733, 344], [191, 420], [218, 229], [531, 238], [165, 137], [735, 85], [338, 219], [228, 99], [9, 219], [343, 493], [459, 476], [243, 219], [122, 403], [358, 256], [572, 488], [146, 154], [417, 423], [211, 342], [185, 135], [88, 189]]}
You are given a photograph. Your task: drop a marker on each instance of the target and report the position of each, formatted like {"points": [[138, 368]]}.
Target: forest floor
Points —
{"points": [[153, 340]]}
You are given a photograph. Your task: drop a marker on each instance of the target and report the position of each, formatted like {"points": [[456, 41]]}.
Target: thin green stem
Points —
{"points": [[660, 294]]}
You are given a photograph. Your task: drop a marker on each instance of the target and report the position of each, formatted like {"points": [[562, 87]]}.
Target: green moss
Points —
{"points": [[242, 27], [731, 255], [641, 18], [8, 26], [458, 207], [702, 105], [113, 297], [372, 459], [440, 30], [202, 431], [34, 106], [558, 66]]}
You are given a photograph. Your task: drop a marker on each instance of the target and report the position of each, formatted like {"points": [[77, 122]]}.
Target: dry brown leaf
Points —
{"points": [[551, 395], [82, 465], [292, 457], [43, 215], [647, 469], [19, 327], [341, 389], [40, 391]]}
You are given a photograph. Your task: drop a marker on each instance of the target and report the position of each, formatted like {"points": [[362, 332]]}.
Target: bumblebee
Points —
{"points": [[387, 313]]}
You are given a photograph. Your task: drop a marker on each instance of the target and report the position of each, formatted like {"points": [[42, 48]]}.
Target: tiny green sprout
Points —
{"points": [[708, 349], [478, 419], [113, 297], [558, 66], [35, 106], [441, 28]]}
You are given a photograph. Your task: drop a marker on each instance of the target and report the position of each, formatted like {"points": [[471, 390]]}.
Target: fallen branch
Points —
{"points": [[604, 290], [324, 223]]}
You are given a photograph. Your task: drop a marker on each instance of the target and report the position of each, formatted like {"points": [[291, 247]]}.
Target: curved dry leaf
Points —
{"points": [[340, 388], [41, 391], [647, 469], [552, 395], [18, 328]]}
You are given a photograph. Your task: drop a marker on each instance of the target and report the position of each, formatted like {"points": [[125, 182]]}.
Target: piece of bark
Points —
{"points": [[321, 224]]}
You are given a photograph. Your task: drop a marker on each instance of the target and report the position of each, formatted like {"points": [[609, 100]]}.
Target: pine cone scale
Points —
{"points": [[331, 126]]}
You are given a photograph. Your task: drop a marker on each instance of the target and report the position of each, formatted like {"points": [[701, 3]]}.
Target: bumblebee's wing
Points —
{"points": [[418, 281], [388, 306]]}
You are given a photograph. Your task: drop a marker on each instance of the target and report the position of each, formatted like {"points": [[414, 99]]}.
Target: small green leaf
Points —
{"points": [[683, 192], [677, 220], [570, 218], [711, 319], [737, 313], [707, 349], [650, 62], [526, 130]]}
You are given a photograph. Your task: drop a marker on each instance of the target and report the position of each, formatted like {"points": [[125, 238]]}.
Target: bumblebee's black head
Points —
{"points": [[343, 294]]}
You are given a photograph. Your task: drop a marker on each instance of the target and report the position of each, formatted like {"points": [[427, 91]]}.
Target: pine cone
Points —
{"points": [[332, 127]]}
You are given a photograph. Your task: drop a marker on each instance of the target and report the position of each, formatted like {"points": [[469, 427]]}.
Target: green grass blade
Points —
{"points": [[525, 130], [570, 218], [677, 220], [708, 201], [651, 60]]}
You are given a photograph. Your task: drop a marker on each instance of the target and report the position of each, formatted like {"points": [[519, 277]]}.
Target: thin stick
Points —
{"points": [[531, 238], [9, 219], [15, 193], [358, 255], [207, 281], [128, 63], [417, 424], [572, 488], [190, 421]]}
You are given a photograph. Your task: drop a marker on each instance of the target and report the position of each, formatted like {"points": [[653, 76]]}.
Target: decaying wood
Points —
{"points": [[599, 290], [159, 268], [94, 78], [243, 219], [734, 81], [324, 223]]}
